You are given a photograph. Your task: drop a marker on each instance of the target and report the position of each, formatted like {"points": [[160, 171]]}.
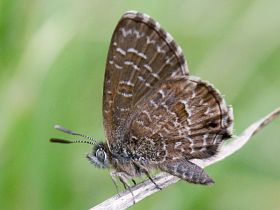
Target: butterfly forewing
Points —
{"points": [[141, 57]]}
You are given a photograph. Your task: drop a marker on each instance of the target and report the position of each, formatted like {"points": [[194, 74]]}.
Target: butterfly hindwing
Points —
{"points": [[184, 118]]}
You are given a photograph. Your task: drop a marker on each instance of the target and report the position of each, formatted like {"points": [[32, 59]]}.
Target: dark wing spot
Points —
{"points": [[212, 124]]}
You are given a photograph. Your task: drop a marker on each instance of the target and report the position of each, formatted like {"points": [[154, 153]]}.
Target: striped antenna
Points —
{"points": [[68, 131], [64, 141]]}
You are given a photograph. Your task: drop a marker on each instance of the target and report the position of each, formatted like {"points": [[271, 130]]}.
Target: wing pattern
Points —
{"points": [[185, 117]]}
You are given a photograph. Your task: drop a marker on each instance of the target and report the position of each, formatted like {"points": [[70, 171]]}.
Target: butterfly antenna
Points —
{"points": [[64, 141], [68, 131]]}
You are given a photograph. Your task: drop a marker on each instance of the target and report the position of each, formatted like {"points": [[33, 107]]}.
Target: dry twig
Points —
{"points": [[163, 180]]}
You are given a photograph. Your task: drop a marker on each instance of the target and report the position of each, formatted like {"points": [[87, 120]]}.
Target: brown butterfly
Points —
{"points": [[156, 116]]}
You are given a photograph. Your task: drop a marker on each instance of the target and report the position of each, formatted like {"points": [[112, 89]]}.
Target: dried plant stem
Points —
{"points": [[163, 180]]}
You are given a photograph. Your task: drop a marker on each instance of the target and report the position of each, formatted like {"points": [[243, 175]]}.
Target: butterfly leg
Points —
{"points": [[113, 176], [187, 170], [150, 178], [134, 182], [126, 186], [123, 177], [142, 170]]}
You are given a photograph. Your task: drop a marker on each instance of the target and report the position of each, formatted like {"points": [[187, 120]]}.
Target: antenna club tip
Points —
{"points": [[57, 127], [64, 141], [65, 130]]}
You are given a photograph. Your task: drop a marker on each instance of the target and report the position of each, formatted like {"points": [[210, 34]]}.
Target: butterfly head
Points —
{"points": [[99, 156]]}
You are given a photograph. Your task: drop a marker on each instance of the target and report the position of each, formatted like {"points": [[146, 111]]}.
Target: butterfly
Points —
{"points": [[156, 115]]}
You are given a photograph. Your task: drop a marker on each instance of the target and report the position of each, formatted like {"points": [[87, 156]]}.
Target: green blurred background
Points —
{"points": [[52, 59]]}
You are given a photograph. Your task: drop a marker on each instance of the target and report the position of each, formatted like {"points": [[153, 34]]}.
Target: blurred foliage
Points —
{"points": [[52, 59]]}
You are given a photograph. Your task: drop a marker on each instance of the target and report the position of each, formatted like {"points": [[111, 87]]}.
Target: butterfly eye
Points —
{"points": [[100, 154]]}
